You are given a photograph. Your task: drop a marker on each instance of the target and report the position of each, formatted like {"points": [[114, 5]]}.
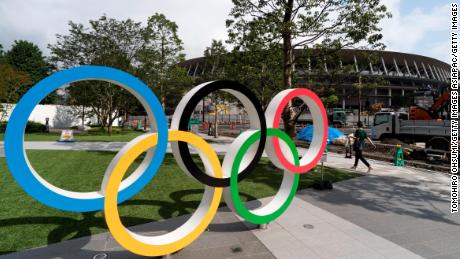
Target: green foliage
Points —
{"points": [[91, 136], [31, 127], [3, 126], [258, 67], [253, 65], [176, 83], [12, 83], [95, 131], [2, 55], [293, 24], [108, 42], [35, 127], [149, 52], [159, 62], [217, 60], [304, 23], [330, 100], [26, 57]]}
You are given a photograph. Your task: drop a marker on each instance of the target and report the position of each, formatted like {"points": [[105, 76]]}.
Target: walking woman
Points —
{"points": [[360, 137]]}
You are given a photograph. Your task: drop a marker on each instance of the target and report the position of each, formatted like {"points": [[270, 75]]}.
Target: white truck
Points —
{"points": [[396, 125]]}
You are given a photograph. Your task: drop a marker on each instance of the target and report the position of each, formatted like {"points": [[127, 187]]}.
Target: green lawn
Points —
{"points": [[26, 223], [123, 136]]}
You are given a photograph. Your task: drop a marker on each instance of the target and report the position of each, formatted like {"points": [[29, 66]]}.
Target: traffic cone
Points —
{"points": [[399, 156]]}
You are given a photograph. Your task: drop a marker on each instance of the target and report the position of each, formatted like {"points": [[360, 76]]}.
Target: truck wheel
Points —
{"points": [[438, 143]]}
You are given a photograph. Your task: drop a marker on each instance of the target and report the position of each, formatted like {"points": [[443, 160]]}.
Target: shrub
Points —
{"points": [[35, 127], [32, 127], [3, 126]]}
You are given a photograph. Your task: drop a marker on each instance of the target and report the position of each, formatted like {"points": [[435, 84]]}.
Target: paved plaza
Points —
{"points": [[392, 212], [219, 145], [407, 206]]}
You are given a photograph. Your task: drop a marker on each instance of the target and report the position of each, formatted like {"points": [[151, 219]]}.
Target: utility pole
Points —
{"points": [[359, 97], [215, 116], [203, 111]]}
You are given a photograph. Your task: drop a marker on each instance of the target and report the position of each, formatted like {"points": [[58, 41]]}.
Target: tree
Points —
{"points": [[364, 83], [80, 98], [26, 57], [363, 76], [300, 24], [175, 83], [2, 55], [257, 66], [254, 65], [216, 58], [107, 42], [160, 61], [126, 45], [11, 82]]}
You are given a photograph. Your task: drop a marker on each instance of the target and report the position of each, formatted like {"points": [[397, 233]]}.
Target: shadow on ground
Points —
{"points": [[69, 228], [390, 194]]}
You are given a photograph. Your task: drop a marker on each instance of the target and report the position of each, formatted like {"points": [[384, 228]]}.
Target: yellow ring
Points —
{"points": [[127, 238]]}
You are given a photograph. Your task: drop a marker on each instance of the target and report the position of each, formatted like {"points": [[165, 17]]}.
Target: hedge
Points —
{"points": [[32, 127]]}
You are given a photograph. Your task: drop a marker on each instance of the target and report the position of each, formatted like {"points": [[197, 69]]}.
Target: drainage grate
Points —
{"points": [[100, 256], [308, 226], [236, 249]]}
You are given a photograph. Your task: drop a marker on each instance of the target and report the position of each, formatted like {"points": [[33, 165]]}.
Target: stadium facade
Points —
{"points": [[403, 74]]}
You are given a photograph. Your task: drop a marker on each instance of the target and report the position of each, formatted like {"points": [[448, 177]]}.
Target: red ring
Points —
{"points": [[292, 94]]}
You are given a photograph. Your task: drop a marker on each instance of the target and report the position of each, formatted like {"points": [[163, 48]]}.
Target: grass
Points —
{"points": [[26, 223], [92, 136]]}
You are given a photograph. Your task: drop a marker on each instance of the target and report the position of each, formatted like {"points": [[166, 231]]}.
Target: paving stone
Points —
{"points": [[228, 238], [406, 206], [446, 245], [455, 255], [424, 250]]}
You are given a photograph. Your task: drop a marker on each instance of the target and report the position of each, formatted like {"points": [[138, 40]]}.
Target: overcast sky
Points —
{"points": [[418, 26]]}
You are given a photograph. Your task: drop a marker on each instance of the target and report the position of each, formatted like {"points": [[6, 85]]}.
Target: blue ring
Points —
{"points": [[14, 136]]}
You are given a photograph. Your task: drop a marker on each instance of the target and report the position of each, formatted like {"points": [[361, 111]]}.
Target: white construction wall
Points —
{"points": [[60, 116]]}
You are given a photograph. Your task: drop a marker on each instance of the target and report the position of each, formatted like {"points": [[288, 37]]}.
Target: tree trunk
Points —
{"points": [[215, 118], [288, 116], [359, 103], [203, 110], [125, 119], [83, 118], [359, 97], [109, 122], [163, 98]]}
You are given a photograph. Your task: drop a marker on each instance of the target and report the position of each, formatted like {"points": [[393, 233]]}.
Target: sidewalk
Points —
{"points": [[220, 148], [408, 206], [227, 237], [303, 231], [393, 212]]}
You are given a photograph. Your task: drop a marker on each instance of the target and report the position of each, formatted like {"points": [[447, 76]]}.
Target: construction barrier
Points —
{"points": [[399, 156]]}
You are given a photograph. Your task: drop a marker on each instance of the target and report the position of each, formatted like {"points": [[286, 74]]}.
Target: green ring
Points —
{"points": [[237, 203]]}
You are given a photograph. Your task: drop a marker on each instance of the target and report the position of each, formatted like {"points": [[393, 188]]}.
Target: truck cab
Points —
{"points": [[337, 118], [434, 133], [385, 124]]}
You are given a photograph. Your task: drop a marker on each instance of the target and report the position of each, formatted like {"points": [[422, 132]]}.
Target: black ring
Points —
{"points": [[183, 125]]}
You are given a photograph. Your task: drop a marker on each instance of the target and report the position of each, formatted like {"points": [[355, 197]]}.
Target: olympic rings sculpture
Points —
{"points": [[220, 180]]}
